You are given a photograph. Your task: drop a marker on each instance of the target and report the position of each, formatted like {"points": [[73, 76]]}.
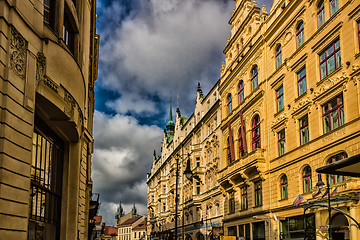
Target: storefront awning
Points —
{"points": [[347, 167]]}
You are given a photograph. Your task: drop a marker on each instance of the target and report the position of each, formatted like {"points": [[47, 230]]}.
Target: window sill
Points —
{"points": [[330, 75], [283, 200], [300, 97]]}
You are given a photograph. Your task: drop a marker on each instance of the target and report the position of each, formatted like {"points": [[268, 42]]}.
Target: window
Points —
{"points": [[281, 142], [197, 161], [256, 133], [49, 13], [278, 56], [333, 179], [333, 113], [284, 187], [320, 14], [280, 99], [300, 35], [68, 34], [229, 104], [307, 180], [217, 208], [301, 78], [304, 130], [197, 188], [258, 193], [228, 150], [254, 78], [330, 59], [244, 198], [164, 189], [231, 202], [244, 231], [334, 6], [209, 212], [164, 207], [241, 91], [46, 179], [241, 143], [294, 227], [258, 230]]}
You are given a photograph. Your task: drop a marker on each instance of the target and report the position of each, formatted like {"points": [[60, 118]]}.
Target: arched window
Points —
{"points": [[284, 187], [241, 91], [333, 179], [320, 14], [307, 180], [256, 133], [254, 77], [229, 104], [278, 56], [300, 34], [334, 6]]}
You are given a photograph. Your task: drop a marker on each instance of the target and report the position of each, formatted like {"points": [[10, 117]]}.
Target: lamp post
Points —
{"points": [[320, 184]]}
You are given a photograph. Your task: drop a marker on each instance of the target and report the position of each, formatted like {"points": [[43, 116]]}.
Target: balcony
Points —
{"points": [[243, 168]]}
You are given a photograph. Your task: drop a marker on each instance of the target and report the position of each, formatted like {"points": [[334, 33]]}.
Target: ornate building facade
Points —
{"points": [[192, 142], [290, 104], [48, 62]]}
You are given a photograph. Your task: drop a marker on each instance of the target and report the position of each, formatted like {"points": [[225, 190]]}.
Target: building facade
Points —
{"points": [[48, 62], [192, 142], [290, 104]]}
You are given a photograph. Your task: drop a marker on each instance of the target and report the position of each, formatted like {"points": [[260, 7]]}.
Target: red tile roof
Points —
{"points": [[130, 221], [141, 225], [98, 219], [110, 231]]}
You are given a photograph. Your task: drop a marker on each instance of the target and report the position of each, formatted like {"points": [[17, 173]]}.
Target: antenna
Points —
{"points": [[177, 100]]}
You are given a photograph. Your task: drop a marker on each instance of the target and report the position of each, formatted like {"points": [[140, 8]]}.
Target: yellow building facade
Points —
{"points": [[290, 103], [48, 65], [192, 142]]}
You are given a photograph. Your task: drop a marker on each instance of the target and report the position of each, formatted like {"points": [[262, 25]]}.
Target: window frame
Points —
{"points": [[300, 38], [334, 179], [327, 58], [229, 104], [301, 81], [244, 198], [278, 56], [241, 146], [284, 187], [228, 151], [307, 176], [280, 99], [304, 128], [281, 142], [254, 77], [258, 193], [340, 112], [336, 5], [256, 133], [320, 13], [241, 92], [231, 202]]}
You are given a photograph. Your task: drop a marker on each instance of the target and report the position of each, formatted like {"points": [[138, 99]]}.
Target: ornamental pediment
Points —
{"points": [[279, 121], [302, 105]]}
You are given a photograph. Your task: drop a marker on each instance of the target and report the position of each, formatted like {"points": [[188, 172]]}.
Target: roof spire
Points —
{"points": [[170, 114]]}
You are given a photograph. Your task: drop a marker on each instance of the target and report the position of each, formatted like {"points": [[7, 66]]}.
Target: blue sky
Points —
{"points": [[150, 50]]}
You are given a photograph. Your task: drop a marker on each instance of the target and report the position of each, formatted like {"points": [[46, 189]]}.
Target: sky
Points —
{"points": [[150, 51]]}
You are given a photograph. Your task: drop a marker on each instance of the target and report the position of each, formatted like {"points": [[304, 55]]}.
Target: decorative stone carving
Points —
{"points": [[69, 99], [279, 121], [302, 104], [51, 84], [333, 135], [18, 49], [40, 67], [328, 83]]}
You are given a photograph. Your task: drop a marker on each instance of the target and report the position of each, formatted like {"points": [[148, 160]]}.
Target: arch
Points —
{"points": [[200, 236], [306, 178], [340, 226], [283, 186], [333, 179], [188, 237], [299, 34]]}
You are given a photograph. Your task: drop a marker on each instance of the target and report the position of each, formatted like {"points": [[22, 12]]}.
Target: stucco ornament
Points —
{"points": [[330, 82], [18, 53], [40, 67]]}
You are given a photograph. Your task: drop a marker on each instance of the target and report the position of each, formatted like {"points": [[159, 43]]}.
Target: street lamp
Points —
{"points": [[320, 184]]}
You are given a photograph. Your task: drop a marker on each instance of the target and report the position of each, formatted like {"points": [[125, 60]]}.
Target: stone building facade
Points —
{"points": [[290, 103], [48, 65], [193, 141]]}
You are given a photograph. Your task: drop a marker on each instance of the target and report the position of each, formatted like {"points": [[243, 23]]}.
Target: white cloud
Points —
{"points": [[122, 157]]}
